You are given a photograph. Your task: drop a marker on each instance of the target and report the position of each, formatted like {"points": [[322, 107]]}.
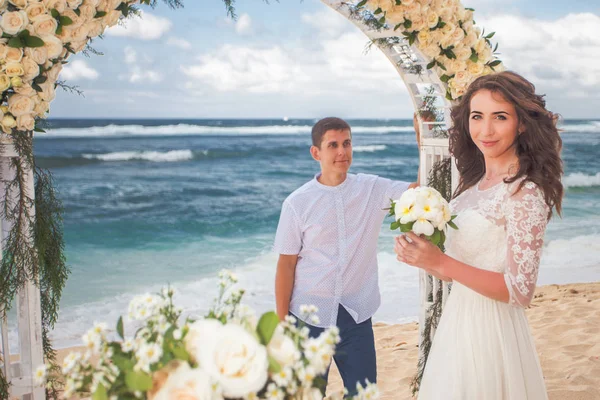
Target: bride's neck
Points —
{"points": [[501, 166]]}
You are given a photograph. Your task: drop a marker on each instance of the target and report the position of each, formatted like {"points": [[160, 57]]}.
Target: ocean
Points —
{"points": [[156, 202]]}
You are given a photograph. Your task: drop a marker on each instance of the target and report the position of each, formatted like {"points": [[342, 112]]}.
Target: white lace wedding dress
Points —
{"points": [[483, 348]]}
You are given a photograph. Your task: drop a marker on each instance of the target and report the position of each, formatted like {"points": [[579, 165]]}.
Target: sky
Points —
{"points": [[301, 59]]}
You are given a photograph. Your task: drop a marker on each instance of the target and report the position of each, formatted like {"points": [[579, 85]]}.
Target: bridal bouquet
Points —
{"points": [[424, 211], [229, 354]]}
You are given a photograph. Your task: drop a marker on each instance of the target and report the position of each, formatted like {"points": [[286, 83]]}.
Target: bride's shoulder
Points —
{"points": [[523, 186]]}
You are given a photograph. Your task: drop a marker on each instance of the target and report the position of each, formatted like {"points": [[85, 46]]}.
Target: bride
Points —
{"points": [[507, 151]]}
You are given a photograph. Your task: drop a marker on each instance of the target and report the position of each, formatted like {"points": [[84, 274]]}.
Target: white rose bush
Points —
{"points": [[443, 31], [229, 354], [424, 211]]}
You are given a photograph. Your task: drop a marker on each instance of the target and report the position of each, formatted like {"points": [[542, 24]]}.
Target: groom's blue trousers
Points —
{"points": [[355, 354]]}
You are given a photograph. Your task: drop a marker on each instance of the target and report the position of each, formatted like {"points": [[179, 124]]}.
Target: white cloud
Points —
{"points": [[146, 27], [335, 63], [139, 73], [179, 42], [243, 26], [559, 54], [77, 70]]}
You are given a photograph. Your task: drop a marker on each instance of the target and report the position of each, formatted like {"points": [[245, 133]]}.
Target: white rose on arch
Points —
{"points": [[18, 3], [13, 22]]}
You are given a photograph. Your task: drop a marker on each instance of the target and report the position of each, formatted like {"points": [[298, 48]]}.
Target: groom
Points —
{"points": [[327, 245]]}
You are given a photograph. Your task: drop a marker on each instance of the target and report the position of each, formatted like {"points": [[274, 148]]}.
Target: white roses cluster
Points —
{"points": [[37, 37], [444, 31], [227, 355], [423, 211]]}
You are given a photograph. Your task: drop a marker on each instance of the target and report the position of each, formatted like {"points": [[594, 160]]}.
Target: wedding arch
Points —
{"points": [[434, 45]]}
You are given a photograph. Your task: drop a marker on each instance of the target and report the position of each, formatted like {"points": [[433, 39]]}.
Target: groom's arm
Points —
{"points": [[284, 283]]}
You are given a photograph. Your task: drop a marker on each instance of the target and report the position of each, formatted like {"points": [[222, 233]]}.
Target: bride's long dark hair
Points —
{"points": [[538, 147]]}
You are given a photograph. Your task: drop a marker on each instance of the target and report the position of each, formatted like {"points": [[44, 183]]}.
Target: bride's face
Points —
{"points": [[493, 124]]}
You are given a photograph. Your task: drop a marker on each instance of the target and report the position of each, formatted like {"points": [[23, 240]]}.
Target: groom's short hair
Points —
{"points": [[327, 124]]}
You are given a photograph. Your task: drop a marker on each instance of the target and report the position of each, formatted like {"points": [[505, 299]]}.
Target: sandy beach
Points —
{"points": [[565, 320]]}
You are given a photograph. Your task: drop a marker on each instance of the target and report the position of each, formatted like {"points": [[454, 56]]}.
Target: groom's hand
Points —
{"points": [[416, 251]]}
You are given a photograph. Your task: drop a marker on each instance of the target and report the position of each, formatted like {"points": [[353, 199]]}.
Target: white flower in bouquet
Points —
{"points": [[234, 359], [282, 348], [178, 381], [423, 211]]}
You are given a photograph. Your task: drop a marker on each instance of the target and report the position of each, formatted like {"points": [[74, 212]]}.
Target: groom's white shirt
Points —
{"points": [[334, 231]]}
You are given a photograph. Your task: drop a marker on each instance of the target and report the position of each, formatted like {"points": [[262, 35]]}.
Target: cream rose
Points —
{"points": [[31, 69], [432, 50], [25, 122], [282, 348], [37, 54], [186, 383], [424, 38], [19, 104], [480, 45], [77, 21], [35, 10], [454, 66], [26, 90], [41, 109], [79, 46], [45, 25], [48, 92], [74, 3], [93, 3], [14, 69], [486, 55], [53, 73], [394, 17], [418, 23], [468, 16], [16, 82], [59, 5], [87, 12], [112, 18], [53, 45], [18, 3], [79, 34], [14, 55], [475, 68], [95, 28], [4, 82], [411, 9], [7, 123], [462, 53], [432, 19], [3, 50], [447, 15], [113, 4], [198, 331], [13, 22], [470, 39], [233, 358]]}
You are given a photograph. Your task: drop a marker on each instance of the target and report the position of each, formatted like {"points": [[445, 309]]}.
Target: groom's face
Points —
{"points": [[335, 152]]}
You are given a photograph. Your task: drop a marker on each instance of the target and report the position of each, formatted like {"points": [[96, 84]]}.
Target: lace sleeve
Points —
{"points": [[526, 216]]}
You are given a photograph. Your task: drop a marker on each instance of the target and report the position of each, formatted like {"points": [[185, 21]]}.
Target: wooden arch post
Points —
{"points": [[20, 374]]}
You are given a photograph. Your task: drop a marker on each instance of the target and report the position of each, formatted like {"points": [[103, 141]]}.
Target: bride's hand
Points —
{"points": [[416, 251]]}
